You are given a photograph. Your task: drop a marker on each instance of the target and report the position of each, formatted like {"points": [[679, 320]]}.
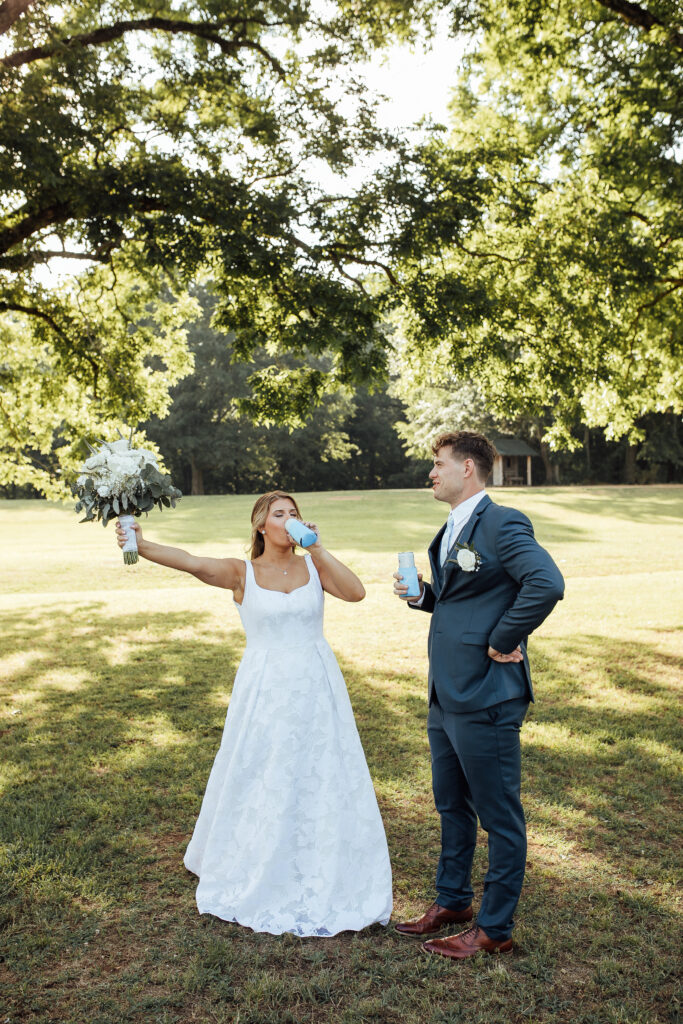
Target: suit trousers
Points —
{"points": [[476, 772]]}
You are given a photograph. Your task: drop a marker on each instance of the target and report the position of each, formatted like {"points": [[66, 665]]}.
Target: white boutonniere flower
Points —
{"points": [[466, 558]]}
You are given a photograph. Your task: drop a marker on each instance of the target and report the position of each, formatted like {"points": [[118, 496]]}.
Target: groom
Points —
{"points": [[492, 584]]}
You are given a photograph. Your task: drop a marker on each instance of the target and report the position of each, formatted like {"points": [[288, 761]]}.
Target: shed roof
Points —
{"points": [[512, 446]]}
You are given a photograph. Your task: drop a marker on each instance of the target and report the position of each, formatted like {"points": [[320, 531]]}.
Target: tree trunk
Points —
{"points": [[587, 449], [630, 464], [10, 10], [197, 486], [547, 464]]}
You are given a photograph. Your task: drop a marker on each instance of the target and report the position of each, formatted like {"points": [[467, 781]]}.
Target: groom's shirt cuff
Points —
{"points": [[418, 602]]}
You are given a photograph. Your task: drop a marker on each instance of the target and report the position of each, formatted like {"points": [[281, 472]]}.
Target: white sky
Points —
{"points": [[417, 82]]}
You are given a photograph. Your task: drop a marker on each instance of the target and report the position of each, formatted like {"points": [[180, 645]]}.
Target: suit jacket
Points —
{"points": [[515, 588]]}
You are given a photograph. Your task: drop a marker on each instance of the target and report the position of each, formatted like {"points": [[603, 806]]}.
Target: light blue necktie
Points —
{"points": [[447, 539]]}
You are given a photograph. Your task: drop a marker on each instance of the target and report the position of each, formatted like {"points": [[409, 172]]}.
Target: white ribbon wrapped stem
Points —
{"points": [[130, 548]]}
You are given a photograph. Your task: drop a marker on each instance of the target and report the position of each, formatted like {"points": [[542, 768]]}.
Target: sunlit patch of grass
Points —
{"points": [[115, 683]]}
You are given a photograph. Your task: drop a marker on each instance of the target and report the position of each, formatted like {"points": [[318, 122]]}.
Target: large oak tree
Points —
{"points": [[154, 142], [535, 250], [564, 302]]}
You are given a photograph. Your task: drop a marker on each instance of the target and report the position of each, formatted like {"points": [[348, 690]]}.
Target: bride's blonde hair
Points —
{"points": [[259, 514]]}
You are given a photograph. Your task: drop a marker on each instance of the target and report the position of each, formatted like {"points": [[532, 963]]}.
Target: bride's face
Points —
{"points": [[278, 514]]}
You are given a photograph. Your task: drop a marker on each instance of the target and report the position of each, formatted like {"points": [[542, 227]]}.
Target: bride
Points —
{"points": [[289, 837]]}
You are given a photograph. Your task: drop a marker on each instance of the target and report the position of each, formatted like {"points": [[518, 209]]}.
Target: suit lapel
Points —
{"points": [[435, 562], [464, 538]]}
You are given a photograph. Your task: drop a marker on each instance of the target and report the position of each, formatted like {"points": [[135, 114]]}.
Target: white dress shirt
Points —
{"points": [[457, 518]]}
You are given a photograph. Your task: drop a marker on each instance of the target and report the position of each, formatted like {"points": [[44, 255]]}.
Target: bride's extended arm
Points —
{"points": [[336, 578], [217, 572]]}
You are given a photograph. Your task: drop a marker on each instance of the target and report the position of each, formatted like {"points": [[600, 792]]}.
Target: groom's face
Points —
{"points": [[448, 476]]}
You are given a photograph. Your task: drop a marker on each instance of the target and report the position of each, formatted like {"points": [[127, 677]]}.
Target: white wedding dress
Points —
{"points": [[289, 837]]}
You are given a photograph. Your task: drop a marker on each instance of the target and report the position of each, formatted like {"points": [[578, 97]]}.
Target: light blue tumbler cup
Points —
{"points": [[300, 533], [406, 567]]}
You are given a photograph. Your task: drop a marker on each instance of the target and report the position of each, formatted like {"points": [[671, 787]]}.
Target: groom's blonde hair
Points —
{"points": [[259, 514]]}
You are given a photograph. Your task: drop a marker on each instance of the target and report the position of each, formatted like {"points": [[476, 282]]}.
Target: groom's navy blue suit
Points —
{"points": [[477, 705]]}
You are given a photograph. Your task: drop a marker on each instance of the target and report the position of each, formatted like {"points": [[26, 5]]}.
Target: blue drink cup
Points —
{"points": [[406, 567], [300, 533]]}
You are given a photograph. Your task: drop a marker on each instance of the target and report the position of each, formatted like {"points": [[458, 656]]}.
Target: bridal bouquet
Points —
{"points": [[119, 480]]}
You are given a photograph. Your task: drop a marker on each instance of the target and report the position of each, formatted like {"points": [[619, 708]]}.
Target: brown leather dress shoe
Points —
{"points": [[468, 943], [434, 920]]}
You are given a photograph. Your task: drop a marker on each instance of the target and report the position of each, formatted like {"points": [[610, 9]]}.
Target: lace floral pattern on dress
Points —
{"points": [[289, 837]]}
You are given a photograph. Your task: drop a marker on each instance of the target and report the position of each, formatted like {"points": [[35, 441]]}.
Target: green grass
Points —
{"points": [[115, 683]]}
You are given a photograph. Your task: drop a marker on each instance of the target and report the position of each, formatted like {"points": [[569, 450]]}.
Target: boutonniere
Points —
{"points": [[467, 557]]}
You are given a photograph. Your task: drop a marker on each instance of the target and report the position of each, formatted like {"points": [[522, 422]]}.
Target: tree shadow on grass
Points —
{"points": [[106, 765], [600, 789], [598, 756]]}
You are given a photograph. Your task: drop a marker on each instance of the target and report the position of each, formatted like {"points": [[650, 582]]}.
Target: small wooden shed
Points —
{"points": [[509, 468]]}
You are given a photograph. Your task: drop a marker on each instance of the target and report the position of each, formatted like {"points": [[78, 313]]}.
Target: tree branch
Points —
{"points": [[57, 213], [10, 10], [207, 30], [635, 14], [335, 253], [25, 260], [485, 255], [40, 314], [54, 214], [675, 282], [16, 307], [41, 255], [338, 264], [351, 258]]}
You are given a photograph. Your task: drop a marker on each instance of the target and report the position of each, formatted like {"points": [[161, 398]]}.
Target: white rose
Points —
{"points": [[147, 457], [103, 491], [120, 446], [467, 560], [121, 467], [94, 461]]}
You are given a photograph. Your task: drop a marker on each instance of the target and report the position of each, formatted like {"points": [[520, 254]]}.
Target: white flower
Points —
{"points": [[99, 459], [467, 560], [103, 490], [120, 446], [147, 456]]}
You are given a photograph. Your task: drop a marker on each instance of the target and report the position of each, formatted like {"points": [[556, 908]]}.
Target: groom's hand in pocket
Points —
{"points": [[400, 587], [513, 656]]}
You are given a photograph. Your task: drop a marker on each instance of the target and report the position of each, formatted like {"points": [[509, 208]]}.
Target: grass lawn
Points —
{"points": [[114, 684]]}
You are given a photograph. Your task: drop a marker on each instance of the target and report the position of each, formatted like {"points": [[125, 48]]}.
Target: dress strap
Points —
{"points": [[312, 571]]}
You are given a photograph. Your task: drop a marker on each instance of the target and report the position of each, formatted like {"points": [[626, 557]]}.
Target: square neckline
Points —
{"points": [[269, 590]]}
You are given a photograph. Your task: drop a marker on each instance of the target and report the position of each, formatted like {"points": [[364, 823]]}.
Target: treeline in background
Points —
{"points": [[362, 439]]}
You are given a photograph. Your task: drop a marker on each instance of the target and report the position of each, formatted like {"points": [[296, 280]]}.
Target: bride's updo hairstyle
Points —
{"points": [[259, 514]]}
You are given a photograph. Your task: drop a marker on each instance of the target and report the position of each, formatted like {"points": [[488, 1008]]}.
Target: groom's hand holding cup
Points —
{"points": [[401, 587]]}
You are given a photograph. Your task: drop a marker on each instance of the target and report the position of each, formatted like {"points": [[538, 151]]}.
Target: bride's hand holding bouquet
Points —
{"points": [[123, 532], [119, 481]]}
